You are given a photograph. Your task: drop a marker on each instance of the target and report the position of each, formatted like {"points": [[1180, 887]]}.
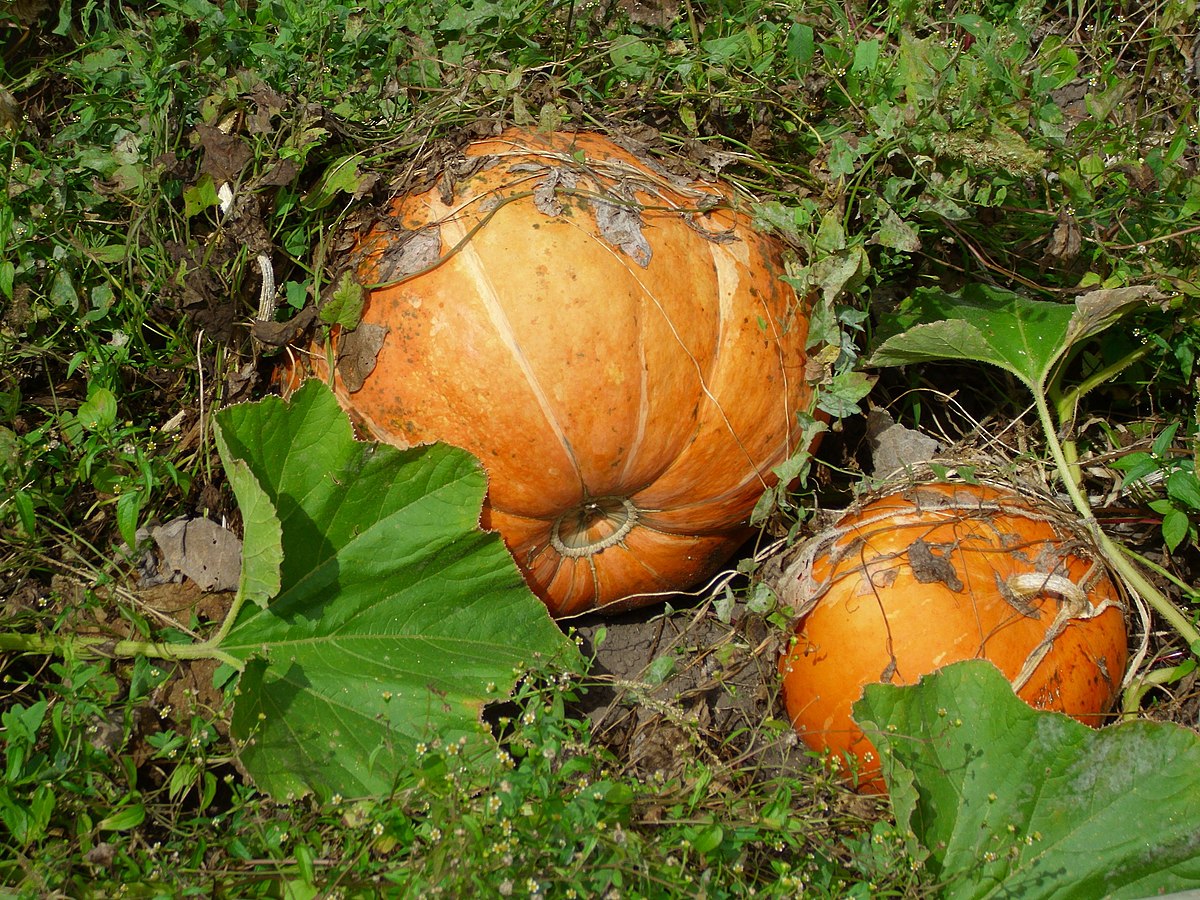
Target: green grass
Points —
{"points": [[1042, 147]]}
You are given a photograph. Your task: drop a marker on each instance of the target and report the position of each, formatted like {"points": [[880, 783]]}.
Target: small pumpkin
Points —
{"points": [[614, 343], [935, 573]]}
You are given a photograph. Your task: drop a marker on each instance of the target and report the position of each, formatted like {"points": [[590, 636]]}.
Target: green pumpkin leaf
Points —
{"points": [[395, 618], [345, 306], [262, 548], [980, 323], [1007, 801]]}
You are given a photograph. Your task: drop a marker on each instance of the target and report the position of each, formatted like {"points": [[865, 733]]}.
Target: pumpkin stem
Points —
{"points": [[593, 525]]}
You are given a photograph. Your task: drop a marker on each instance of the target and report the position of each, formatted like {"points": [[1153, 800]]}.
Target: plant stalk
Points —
{"points": [[1160, 571], [1068, 400], [1131, 702], [1066, 403], [1134, 579], [105, 648]]}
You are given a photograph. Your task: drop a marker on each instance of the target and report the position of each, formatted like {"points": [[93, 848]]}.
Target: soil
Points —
{"points": [[670, 685]]}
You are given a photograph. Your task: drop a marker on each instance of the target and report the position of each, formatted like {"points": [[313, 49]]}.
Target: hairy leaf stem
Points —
{"points": [[1132, 575], [96, 647]]}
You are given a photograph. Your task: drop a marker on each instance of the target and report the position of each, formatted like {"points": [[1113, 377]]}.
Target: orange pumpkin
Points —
{"points": [[937, 573], [614, 343]]}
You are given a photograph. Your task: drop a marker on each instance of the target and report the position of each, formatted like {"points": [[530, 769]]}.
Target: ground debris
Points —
{"points": [[682, 685], [199, 549]]}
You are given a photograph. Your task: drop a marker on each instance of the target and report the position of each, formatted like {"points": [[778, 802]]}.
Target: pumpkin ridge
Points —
{"points": [[540, 551], [727, 277], [703, 370], [662, 580], [700, 374], [726, 263], [639, 434], [726, 293], [789, 414], [488, 296], [754, 474], [643, 416], [728, 281], [646, 524]]}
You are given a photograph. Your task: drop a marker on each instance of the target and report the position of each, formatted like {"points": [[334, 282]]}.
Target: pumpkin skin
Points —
{"points": [[617, 348], [938, 573]]}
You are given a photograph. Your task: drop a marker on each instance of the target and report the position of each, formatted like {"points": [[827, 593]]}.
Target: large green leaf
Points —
{"points": [[262, 548], [395, 618], [980, 323], [1008, 801]]}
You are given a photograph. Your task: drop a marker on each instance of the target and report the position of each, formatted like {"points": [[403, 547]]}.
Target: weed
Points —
{"points": [[1175, 471]]}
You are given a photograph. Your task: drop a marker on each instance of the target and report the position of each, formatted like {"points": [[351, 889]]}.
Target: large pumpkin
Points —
{"points": [[931, 574], [615, 344]]}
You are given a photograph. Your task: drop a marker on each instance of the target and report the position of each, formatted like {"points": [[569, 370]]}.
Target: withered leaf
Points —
{"points": [[280, 334], [1097, 310], [27, 12], [202, 550], [409, 253], [545, 195], [10, 111], [929, 568], [445, 186], [656, 13], [225, 155], [1065, 241], [723, 236], [621, 225], [283, 172], [466, 166], [357, 353], [895, 447], [267, 104]]}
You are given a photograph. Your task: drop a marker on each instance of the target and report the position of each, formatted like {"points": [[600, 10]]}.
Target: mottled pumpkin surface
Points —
{"points": [[938, 573], [614, 343]]}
